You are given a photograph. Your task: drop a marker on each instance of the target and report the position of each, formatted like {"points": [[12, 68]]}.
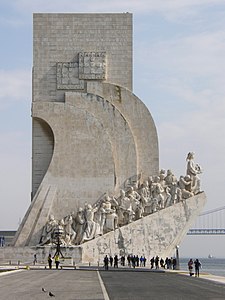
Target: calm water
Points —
{"points": [[215, 266]]}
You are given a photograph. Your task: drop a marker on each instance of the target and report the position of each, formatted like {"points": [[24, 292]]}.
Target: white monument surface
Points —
{"points": [[96, 180]]}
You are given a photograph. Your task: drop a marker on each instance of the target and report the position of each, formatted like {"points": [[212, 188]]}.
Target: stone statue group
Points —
{"points": [[137, 200]]}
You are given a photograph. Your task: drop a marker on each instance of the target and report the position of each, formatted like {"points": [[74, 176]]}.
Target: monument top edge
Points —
{"points": [[83, 14]]}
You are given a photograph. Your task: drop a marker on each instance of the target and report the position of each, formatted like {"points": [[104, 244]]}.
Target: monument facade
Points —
{"points": [[95, 158]]}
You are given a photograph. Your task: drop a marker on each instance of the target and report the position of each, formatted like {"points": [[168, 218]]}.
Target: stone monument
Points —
{"points": [[95, 158]]}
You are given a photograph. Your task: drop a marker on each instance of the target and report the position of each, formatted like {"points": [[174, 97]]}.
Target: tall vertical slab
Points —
{"points": [[68, 51], [90, 132]]}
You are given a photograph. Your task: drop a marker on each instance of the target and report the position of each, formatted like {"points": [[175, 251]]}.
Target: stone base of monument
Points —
{"points": [[156, 234]]}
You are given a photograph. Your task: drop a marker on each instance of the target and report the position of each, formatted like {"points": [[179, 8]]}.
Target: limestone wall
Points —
{"points": [[63, 46]]}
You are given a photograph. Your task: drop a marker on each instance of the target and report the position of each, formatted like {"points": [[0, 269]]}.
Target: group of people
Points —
{"points": [[51, 258], [132, 261], [196, 265], [56, 257], [136, 200], [139, 261], [155, 263], [168, 263]]}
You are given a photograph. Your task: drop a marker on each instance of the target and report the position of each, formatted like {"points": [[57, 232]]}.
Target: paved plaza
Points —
{"points": [[93, 284]]}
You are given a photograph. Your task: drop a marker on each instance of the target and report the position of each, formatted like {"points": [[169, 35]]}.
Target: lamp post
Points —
{"points": [[57, 240], [177, 258]]}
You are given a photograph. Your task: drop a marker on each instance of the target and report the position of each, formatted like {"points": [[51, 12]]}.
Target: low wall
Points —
{"points": [[25, 255]]}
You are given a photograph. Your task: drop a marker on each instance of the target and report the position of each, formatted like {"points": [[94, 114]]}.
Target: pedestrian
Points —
{"points": [[152, 261], [50, 261], [197, 267], [144, 261], [116, 261], [170, 263], [129, 260], [157, 262], [190, 267], [174, 263], [162, 263], [111, 261], [35, 259], [167, 263], [137, 260], [133, 261], [106, 262], [141, 261], [122, 260], [57, 262]]}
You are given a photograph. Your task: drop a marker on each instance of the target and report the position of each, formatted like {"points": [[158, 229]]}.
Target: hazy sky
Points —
{"points": [[178, 63]]}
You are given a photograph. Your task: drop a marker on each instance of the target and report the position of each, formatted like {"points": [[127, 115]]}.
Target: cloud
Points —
{"points": [[195, 54]]}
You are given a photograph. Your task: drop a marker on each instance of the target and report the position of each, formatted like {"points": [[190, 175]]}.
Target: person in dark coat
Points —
{"points": [[116, 259], [197, 267], [50, 261], [111, 261], [106, 262]]}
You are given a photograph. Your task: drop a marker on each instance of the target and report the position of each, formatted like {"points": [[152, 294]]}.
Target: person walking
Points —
{"points": [[122, 259], [129, 260], [106, 262], [144, 261], [174, 263], [190, 267], [35, 259], [116, 259], [197, 267], [50, 261], [157, 262], [152, 261], [57, 262], [111, 261]]}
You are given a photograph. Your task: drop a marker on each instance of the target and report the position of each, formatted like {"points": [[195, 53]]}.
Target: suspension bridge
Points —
{"points": [[211, 222]]}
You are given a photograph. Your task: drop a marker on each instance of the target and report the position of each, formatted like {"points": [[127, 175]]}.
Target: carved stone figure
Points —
{"points": [[69, 232], [139, 212], [91, 227], [79, 226], [134, 198], [193, 170], [145, 194], [47, 233], [125, 211], [111, 221], [162, 175], [167, 197], [59, 234], [170, 178], [185, 186], [173, 192], [157, 194], [100, 217]]}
